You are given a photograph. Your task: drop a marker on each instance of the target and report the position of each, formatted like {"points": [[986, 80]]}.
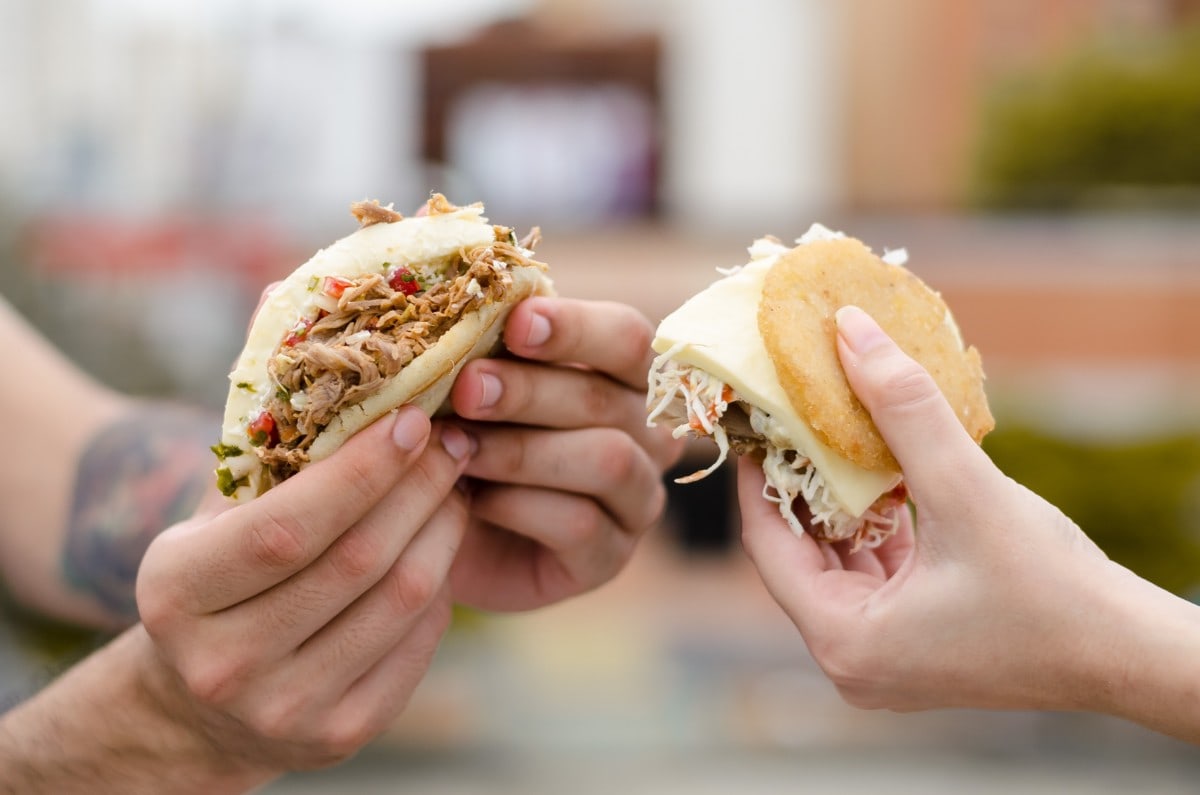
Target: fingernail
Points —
{"points": [[492, 390], [860, 332], [456, 441], [539, 330], [410, 429]]}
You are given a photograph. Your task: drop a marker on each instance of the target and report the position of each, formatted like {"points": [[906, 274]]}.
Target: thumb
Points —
{"points": [[912, 415]]}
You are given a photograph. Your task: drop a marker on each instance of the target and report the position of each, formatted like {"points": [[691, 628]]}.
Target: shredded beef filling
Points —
{"points": [[348, 354], [372, 212], [743, 439]]}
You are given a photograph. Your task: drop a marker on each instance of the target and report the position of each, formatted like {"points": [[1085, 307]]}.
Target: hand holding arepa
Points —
{"points": [[843, 383], [292, 629], [977, 605], [565, 476], [431, 311]]}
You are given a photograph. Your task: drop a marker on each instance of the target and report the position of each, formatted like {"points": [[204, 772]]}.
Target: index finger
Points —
{"points": [[607, 336], [802, 575], [787, 562], [913, 416], [253, 547]]}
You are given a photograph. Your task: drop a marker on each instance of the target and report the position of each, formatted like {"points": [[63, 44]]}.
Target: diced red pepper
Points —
{"points": [[404, 281], [334, 286], [262, 430], [298, 332]]}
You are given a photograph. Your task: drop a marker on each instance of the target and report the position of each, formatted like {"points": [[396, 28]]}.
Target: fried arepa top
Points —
{"points": [[801, 293]]}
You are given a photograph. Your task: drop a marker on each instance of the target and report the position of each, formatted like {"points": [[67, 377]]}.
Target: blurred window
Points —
{"points": [[546, 125]]}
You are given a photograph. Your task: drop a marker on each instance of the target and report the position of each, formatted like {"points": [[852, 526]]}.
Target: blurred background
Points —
{"points": [[1039, 159]]}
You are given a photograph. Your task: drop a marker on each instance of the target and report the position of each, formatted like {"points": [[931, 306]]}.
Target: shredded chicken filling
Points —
{"points": [[366, 335], [695, 402]]}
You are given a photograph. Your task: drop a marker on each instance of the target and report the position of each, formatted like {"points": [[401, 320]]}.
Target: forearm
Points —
{"points": [[92, 476], [111, 725], [1152, 675], [143, 468]]}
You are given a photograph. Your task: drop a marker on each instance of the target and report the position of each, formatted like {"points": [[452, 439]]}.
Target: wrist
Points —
{"points": [[1139, 661], [1096, 664], [115, 723], [184, 733]]}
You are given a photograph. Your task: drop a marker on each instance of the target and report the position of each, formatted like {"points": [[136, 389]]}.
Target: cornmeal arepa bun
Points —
{"points": [[801, 294], [384, 317]]}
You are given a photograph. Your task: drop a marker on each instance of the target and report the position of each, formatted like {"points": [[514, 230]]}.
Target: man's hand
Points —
{"points": [[294, 628], [565, 477]]}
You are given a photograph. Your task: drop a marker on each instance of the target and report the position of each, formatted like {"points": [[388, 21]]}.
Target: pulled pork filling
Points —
{"points": [[698, 403], [360, 332]]}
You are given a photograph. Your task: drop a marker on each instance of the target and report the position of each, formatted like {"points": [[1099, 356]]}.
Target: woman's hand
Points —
{"points": [[996, 599]]}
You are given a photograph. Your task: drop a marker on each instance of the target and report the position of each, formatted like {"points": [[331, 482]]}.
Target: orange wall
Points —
{"points": [[1110, 325], [917, 73]]}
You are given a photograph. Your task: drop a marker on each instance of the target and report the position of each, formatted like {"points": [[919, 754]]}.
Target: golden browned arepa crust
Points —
{"points": [[801, 293]]}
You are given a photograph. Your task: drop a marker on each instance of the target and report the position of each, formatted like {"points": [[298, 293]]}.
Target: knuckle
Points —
{"points": [[846, 667], [639, 334], [339, 741], [597, 401], [905, 386], [655, 505], [155, 606], [278, 542], [409, 590], [279, 719], [354, 557], [159, 594], [440, 615], [215, 680], [437, 469], [616, 461], [583, 522], [362, 478], [510, 453]]}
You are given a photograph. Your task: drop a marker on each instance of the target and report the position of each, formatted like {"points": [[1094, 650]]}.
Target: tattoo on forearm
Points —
{"points": [[138, 476]]}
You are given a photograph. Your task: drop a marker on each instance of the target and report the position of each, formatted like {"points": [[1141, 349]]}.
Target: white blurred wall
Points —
{"points": [[137, 106], [755, 121]]}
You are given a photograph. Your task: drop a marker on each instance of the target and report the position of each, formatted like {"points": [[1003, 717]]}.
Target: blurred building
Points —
{"points": [[736, 111]]}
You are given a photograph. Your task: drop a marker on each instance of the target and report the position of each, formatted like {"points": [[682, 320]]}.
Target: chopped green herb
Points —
{"points": [[247, 386], [282, 393], [224, 451], [227, 484]]}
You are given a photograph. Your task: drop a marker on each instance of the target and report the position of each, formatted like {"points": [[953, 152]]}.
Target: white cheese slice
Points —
{"points": [[718, 328]]}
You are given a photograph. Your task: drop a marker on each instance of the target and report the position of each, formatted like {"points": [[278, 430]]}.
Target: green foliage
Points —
{"points": [[1138, 500], [1107, 128]]}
